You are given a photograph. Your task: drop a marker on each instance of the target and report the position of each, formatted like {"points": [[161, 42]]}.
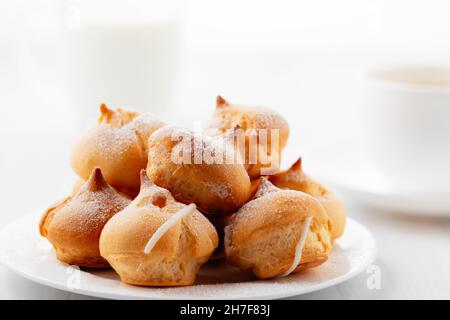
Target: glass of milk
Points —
{"points": [[122, 53]]}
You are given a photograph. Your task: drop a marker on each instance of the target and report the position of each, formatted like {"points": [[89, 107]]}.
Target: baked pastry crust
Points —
{"points": [[73, 225], [295, 179], [216, 188], [219, 222], [118, 145], [80, 182], [177, 255], [251, 120], [263, 235]]}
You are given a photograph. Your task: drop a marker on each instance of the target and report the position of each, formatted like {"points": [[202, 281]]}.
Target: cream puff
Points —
{"points": [[198, 169], [156, 240], [73, 226], [77, 185], [295, 179], [278, 233], [266, 133], [117, 145]]}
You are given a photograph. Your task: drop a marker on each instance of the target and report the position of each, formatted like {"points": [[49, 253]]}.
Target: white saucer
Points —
{"points": [[353, 174], [25, 252]]}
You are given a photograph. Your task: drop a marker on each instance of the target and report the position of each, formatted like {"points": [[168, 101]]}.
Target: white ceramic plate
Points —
{"points": [[25, 252], [353, 174]]}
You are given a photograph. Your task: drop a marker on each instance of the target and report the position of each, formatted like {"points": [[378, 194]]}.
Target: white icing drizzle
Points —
{"points": [[167, 225], [299, 247]]}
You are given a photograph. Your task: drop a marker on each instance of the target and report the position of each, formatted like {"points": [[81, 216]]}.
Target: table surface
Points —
{"points": [[413, 252]]}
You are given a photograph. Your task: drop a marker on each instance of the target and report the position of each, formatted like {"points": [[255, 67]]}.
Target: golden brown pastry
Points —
{"points": [[278, 233], [295, 179], [118, 145], [262, 155], [195, 170], [73, 226], [79, 183], [157, 241]]}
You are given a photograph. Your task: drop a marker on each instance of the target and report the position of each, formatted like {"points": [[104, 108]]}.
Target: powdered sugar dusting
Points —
{"points": [[115, 141], [162, 230], [222, 190]]}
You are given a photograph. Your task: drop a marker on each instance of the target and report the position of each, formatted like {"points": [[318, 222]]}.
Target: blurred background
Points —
{"points": [[59, 59]]}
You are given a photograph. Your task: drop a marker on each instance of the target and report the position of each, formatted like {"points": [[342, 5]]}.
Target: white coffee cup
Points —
{"points": [[406, 121]]}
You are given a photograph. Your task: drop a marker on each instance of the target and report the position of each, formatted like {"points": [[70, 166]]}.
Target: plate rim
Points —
{"points": [[261, 296]]}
